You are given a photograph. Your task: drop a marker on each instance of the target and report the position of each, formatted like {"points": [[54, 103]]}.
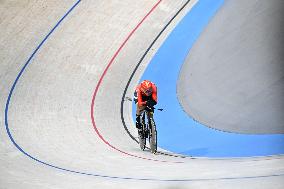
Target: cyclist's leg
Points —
{"points": [[139, 110]]}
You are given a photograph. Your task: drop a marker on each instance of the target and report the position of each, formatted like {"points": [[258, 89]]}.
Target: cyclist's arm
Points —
{"points": [[154, 94], [140, 102]]}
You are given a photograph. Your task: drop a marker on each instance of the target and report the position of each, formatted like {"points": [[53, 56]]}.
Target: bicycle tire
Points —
{"points": [[142, 141], [153, 137], [142, 136]]}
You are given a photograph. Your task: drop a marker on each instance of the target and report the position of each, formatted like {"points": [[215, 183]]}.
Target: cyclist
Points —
{"points": [[145, 96]]}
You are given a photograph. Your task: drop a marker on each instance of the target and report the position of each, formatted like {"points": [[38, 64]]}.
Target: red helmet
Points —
{"points": [[146, 87]]}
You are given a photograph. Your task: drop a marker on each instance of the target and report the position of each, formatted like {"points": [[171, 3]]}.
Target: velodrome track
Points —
{"points": [[64, 67]]}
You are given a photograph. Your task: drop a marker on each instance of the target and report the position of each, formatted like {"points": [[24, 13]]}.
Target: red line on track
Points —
{"points": [[100, 81]]}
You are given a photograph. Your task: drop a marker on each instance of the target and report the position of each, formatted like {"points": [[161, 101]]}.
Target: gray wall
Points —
{"points": [[233, 78]]}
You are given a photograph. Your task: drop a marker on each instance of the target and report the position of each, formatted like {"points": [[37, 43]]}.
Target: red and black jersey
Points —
{"points": [[143, 98]]}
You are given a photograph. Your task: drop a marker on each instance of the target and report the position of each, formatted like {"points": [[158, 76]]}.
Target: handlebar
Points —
{"points": [[160, 109], [130, 99]]}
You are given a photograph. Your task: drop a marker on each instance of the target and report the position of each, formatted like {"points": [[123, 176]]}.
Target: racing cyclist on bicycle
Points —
{"points": [[145, 96]]}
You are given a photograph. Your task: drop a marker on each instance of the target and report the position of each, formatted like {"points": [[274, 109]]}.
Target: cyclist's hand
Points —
{"points": [[151, 103], [149, 108]]}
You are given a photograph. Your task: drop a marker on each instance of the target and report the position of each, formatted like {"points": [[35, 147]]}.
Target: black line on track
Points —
{"points": [[134, 71]]}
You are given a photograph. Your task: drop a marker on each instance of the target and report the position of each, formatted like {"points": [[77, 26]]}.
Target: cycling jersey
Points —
{"points": [[143, 98]]}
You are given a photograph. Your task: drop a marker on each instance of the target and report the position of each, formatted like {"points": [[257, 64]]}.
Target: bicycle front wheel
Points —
{"points": [[142, 140], [153, 137]]}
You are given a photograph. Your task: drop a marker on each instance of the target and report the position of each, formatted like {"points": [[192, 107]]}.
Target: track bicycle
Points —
{"points": [[148, 128]]}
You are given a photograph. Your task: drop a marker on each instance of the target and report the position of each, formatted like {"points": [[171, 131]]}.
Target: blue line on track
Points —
{"points": [[177, 132]]}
